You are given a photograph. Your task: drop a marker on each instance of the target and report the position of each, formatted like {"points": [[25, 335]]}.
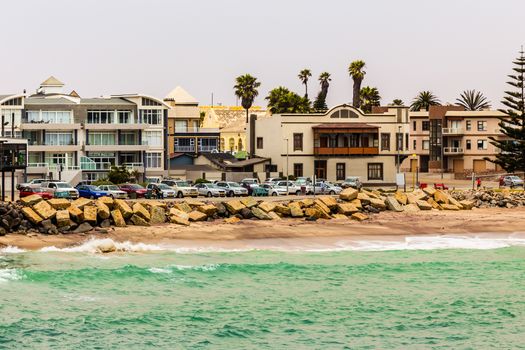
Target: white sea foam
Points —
{"points": [[169, 269], [9, 275], [99, 245], [11, 250]]}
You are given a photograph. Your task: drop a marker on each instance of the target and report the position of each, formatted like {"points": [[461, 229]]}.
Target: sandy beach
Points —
{"points": [[383, 226]]}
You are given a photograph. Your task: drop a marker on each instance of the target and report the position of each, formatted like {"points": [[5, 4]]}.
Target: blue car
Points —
{"points": [[90, 191]]}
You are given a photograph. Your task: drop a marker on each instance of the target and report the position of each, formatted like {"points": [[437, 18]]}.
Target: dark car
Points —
{"points": [[28, 191], [134, 190], [90, 191]]}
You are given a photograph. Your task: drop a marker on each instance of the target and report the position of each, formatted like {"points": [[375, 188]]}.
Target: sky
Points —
{"points": [[102, 47]]}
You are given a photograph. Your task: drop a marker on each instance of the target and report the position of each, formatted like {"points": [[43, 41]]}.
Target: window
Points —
{"points": [[13, 102], [298, 169], [151, 116], [154, 160], [482, 126], [231, 144], [399, 141], [149, 102], [125, 117], [425, 125], [468, 144], [426, 145], [468, 125], [9, 114], [101, 138], [406, 142], [53, 138], [414, 145], [63, 117], [375, 171], [260, 143], [340, 171], [127, 138], [414, 125], [297, 142], [100, 117], [385, 141], [482, 145], [270, 168], [181, 126], [152, 138]]}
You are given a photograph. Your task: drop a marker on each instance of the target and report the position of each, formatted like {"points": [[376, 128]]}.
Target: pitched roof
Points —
{"points": [[181, 96], [52, 81]]}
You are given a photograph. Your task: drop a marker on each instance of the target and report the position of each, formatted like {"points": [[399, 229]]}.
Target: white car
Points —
{"points": [[114, 191], [232, 188], [183, 189], [326, 188], [167, 192], [33, 183], [210, 190], [274, 190], [292, 187], [60, 189]]}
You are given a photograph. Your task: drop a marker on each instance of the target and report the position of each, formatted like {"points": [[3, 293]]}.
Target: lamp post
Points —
{"points": [[399, 145], [287, 174]]}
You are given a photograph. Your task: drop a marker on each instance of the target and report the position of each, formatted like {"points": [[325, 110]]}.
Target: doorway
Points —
{"points": [[320, 167]]}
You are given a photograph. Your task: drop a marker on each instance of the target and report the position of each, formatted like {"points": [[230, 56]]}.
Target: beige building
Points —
{"points": [[459, 137], [334, 145]]}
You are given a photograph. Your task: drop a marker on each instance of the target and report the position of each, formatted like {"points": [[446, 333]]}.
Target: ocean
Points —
{"points": [[423, 293]]}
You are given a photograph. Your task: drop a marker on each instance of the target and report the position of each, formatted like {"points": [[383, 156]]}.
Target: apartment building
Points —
{"points": [[450, 139], [333, 145], [80, 139]]}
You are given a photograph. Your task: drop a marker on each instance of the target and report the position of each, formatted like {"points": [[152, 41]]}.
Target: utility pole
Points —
{"points": [[399, 145], [287, 174]]}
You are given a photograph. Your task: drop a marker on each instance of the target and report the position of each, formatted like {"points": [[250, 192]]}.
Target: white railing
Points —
{"points": [[195, 129], [453, 131], [184, 148], [54, 167], [453, 150], [36, 165], [207, 148], [95, 165], [133, 166]]}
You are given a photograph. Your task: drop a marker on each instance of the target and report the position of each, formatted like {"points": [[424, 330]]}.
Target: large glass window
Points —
{"points": [[298, 142], [58, 138], [100, 117], [385, 141], [8, 116], [102, 138], [125, 117], [154, 160], [66, 159], [375, 171], [62, 117], [181, 126], [482, 125], [151, 116], [298, 169], [152, 138], [340, 171], [128, 138]]}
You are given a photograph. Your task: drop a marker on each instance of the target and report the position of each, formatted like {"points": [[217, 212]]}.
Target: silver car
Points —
{"points": [[326, 188], [512, 181], [114, 191], [352, 181], [232, 188], [274, 190], [210, 190]]}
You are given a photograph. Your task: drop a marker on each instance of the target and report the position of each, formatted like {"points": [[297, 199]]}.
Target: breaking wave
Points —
{"points": [[7, 275], [11, 250]]}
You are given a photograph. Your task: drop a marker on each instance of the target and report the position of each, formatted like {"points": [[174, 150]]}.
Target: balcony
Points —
{"points": [[195, 130], [184, 148], [452, 150], [35, 146], [91, 165], [134, 167], [115, 126], [452, 131], [30, 124], [115, 147], [345, 151]]}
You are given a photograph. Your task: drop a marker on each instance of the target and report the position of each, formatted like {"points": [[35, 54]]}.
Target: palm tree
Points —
{"points": [[356, 71], [473, 100], [281, 100], [424, 100], [369, 97], [303, 76], [397, 102], [246, 89], [320, 101]]}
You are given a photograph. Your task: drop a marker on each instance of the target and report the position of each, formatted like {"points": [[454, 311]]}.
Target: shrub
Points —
{"points": [[202, 181], [101, 182]]}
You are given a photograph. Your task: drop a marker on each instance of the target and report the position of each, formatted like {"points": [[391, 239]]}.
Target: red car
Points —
{"points": [[134, 190], [28, 191]]}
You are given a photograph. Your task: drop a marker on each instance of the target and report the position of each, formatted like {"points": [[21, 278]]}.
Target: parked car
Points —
{"points": [[90, 191], [352, 181], [28, 191], [274, 190], [210, 190], [512, 181], [233, 188], [60, 189], [250, 181], [164, 190], [326, 188], [184, 189], [170, 182], [33, 183], [293, 188], [134, 190], [272, 180], [114, 191]]}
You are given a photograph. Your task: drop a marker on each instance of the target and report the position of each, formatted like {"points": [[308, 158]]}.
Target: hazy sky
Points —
{"points": [[150, 46]]}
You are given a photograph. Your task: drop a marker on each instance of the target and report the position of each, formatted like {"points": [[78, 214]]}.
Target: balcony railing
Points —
{"points": [[95, 165], [207, 148], [37, 165], [452, 131], [453, 150], [346, 151], [134, 166], [184, 148], [195, 130]]}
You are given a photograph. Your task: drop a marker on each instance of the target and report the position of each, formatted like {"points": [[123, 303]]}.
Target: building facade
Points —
{"points": [[334, 145]]}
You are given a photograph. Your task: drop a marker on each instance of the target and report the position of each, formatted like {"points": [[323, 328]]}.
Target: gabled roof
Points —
{"points": [[181, 96], [52, 81]]}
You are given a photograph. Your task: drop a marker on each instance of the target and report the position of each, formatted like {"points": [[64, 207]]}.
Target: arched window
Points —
{"points": [[239, 147], [222, 143], [231, 143]]}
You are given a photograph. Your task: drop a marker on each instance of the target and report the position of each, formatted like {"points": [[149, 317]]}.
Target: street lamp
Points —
{"points": [[287, 174], [399, 145]]}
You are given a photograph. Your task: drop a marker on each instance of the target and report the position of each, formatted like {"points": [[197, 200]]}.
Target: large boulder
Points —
{"points": [[234, 206], [323, 213], [260, 214], [329, 201], [31, 215], [430, 191], [183, 206], [107, 201], [449, 207], [346, 208], [157, 215], [138, 209], [274, 215], [174, 219], [45, 210], [411, 208], [59, 203], [314, 213], [83, 228], [357, 203], [81, 202], [321, 206], [440, 197], [118, 219], [349, 194], [208, 209], [282, 209], [76, 214], [452, 201], [401, 198], [179, 213], [62, 218], [377, 203], [392, 204], [197, 216], [364, 198], [249, 202], [246, 213], [433, 203], [424, 205], [359, 216], [306, 202], [295, 210], [466, 204], [103, 210], [232, 220], [31, 200], [90, 214], [267, 206], [411, 198], [138, 220], [192, 202], [124, 208], [339, 217]]}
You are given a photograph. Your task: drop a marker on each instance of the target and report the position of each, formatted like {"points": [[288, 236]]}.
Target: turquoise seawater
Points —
{"points": [[407, 299]]}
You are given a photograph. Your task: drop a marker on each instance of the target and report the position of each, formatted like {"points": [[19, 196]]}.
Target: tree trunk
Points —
{"points": [[246, 115], [306, 90], [356, 96]]}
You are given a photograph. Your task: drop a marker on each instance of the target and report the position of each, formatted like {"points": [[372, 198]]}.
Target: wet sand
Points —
{"points": [[383, 226]]}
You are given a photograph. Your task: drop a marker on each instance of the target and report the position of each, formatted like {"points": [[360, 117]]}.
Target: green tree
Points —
{"points": [[472, 100], [282, 100], [397, 102], [424, 100], [357, 72], [118, 175], [320, 101], [304, 75], [512, 155], [246, 89], [369, 97]]}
